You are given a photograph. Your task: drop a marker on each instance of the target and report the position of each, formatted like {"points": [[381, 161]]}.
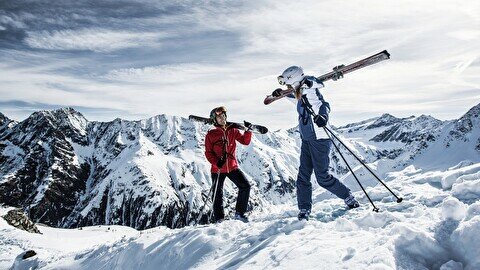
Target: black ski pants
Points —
{"points": [[238, 178]]}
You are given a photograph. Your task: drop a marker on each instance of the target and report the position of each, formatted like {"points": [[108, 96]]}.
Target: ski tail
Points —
{"points": [[200, 119]]}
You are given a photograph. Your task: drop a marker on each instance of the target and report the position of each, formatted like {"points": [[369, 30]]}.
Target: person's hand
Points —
{"points": [[306, 84], [337, 75], [277, 92], [220, 163], [248, 125], [321, 120]]}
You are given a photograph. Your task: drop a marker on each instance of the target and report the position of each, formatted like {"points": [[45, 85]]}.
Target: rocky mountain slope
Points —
{"points": [[66, 171]]}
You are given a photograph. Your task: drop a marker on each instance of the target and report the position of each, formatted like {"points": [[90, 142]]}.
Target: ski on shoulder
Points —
{"points": [[337, 73], [254, 128]]}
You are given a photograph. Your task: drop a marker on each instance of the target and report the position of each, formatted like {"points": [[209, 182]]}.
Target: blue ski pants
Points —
{"points": [[314, 156]]}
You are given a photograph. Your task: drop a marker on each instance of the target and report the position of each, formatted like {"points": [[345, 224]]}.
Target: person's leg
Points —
{"points": [[304, 185], [321, 161], [217, 196], [239, 179]]}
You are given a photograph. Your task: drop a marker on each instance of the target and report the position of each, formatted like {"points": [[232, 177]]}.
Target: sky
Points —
{"points": [[135, 59]]}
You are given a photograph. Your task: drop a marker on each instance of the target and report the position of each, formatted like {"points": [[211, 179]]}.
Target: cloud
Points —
{"points": [[167, 74], [13, 21], [185, 57], [17, 109], [98, 40]]}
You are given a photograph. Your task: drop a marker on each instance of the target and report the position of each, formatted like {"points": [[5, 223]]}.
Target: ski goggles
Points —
{"points": [[281, 80], [221, 110]]}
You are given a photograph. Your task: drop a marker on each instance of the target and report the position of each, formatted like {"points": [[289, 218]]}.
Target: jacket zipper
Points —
{"points": [[226, 147]]}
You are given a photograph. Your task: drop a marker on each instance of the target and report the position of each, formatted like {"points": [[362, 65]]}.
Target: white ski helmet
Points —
{"points": [[291, 75]]}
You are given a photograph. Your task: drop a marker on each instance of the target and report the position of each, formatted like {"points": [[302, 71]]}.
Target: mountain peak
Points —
{"points": [[65, 112], [385, 119], [3, 119], [387, 115], [426, 118], [474, 112], [358, 124], [467, 122], [5, 123], [65, 118], [58, 113]]}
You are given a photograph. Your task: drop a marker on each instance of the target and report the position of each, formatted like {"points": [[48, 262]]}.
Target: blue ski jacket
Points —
{"points": [[310, 90]]}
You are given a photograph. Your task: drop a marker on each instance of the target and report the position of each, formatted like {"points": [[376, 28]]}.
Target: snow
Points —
{"points": [[432, 229], [437, 226], [42, 188], [466, 242], [454, 209], [16, 154]]}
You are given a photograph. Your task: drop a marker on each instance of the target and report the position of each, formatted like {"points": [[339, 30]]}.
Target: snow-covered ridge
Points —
{"points": [[142, 174], [434, 228], [66, 171]]}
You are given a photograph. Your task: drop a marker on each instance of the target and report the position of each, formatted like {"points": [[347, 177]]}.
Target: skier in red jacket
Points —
{"points": [[220, 146]]}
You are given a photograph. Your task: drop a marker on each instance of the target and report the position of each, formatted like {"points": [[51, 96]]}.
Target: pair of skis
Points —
{"points": [[337, 73], [254, 128]]}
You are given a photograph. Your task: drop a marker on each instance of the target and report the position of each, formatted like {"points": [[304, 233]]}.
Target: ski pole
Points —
{"points": [[204, 204], [375, 209], [310, 110], [399, 199], [214, 196]]}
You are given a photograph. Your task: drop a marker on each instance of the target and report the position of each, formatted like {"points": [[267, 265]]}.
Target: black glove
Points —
{"points": [[220, 163], [248, 125], [306, 84], [277, 92], [321, 120]]}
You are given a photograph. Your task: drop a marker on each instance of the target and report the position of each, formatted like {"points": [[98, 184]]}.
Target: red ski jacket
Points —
{"points": [[219, 140]]}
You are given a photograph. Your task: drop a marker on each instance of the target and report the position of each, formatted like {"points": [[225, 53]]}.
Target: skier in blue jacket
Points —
{"points": [[316, 144]]}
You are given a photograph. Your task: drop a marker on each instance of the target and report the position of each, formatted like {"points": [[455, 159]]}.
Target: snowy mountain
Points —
{"points": [[70, 172], [66, 171], [5, 123]]}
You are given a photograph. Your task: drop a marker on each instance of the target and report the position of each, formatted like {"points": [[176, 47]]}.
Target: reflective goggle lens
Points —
{"points": [[220, 111], [280, 80]]}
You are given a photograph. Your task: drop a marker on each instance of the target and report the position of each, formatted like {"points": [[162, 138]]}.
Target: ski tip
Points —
{"points": [[386, 53]]}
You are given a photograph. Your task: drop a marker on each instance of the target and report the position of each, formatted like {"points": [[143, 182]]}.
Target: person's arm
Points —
{"points": [[244, 138], [312, 82], [209, 153], [291, 96], [321, 108]]}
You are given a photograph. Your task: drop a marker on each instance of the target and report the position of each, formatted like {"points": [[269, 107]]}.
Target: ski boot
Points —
{"points": [[304, 214], [241, 217], [351, 202]]}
